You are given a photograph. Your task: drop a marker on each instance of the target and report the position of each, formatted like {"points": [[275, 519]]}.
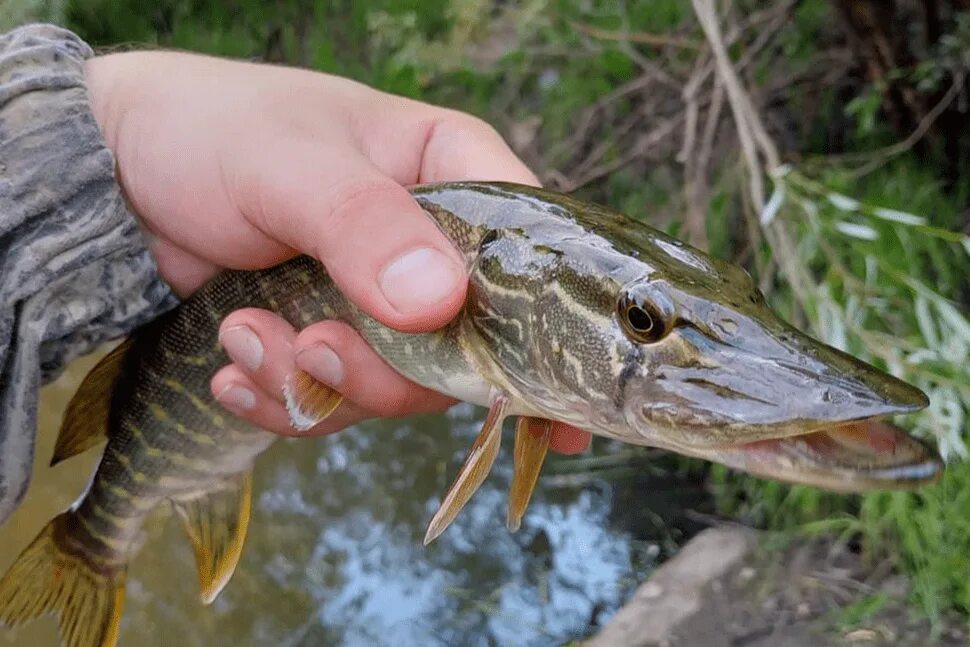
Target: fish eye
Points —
{"points": [[490, 237], [642, 321]]}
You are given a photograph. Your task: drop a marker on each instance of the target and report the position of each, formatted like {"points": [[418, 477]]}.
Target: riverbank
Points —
{"points": [[730, 586]]}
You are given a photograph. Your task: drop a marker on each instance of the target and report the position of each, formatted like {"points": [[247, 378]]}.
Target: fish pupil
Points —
{"points": [[639, 319]]}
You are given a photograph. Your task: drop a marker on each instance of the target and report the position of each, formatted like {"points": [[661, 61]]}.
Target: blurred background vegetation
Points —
{"points": [[823, 144]]}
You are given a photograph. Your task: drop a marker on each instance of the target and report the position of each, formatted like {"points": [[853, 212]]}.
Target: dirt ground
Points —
{"points": [[812, 594], [808, 594]]}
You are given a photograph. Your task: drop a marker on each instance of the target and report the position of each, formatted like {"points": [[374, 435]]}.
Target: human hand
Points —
{"points": [[239, 165]]}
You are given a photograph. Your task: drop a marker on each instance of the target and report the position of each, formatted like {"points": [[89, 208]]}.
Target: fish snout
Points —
{"points": [[793, 409], [830, 386], [785, 385]]}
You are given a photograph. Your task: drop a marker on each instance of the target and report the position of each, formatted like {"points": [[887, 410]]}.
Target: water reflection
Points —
{"points": [[334, 554]]}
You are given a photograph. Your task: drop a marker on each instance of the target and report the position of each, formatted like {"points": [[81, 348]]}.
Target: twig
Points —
{"points": [[639, 37], [689, 94], [644, 143], [845, 582], [600, 150], [736, 97], [710, 127], [754, 139], [714, 520], [882, 156], [776, 18], [695, 177], [589, 114]]}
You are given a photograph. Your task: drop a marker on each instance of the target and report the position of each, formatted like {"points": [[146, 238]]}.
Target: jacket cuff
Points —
{"points": [[75, 270]]}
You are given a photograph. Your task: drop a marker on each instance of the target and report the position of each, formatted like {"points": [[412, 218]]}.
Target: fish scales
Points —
{"points": [[155, 427], [167, 437]]}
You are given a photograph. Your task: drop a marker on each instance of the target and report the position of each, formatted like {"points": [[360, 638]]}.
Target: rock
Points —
{"points": [[675, 591]]}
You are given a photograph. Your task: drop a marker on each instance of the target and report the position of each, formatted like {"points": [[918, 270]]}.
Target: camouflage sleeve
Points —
{"points": [[74, 268]]}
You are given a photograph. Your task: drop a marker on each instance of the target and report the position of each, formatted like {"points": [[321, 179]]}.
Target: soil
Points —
{"points": [[815, 593], [807, 594]]}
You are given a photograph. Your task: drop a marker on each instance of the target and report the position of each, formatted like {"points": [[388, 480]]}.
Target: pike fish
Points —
{"points": [[574, 313]]}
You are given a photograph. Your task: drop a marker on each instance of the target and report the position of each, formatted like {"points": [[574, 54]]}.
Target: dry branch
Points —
{"points": [[754, 139], [639, 37]]}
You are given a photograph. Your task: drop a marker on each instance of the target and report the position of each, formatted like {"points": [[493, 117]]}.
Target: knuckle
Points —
{"points": [[242, 317], [464, 122], [234, 318], [347, 196], [397, 402]]}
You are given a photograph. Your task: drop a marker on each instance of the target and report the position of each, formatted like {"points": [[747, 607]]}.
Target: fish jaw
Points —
{"points": [[779, 404], [856, 457]]}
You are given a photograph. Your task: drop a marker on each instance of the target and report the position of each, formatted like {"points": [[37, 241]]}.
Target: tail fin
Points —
{"points": [[48, 578]]}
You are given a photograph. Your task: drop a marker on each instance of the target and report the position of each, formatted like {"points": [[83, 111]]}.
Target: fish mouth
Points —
{"points": [[858, 456], [779, 404]]}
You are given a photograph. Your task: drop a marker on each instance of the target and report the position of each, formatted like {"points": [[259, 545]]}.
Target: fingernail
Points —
{"points": [[419, 279], [243, 346], [237, 397], [322, 363]]}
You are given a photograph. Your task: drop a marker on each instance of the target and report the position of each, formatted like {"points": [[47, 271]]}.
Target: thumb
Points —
{"points": [[379, 246]]}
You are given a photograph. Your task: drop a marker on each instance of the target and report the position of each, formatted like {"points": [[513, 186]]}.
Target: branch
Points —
{"points": [[639, 37], [754, 137], [884, 155]]}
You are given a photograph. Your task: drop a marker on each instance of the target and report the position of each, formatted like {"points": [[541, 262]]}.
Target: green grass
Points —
{"points": [[892, 301], [860, 611]]}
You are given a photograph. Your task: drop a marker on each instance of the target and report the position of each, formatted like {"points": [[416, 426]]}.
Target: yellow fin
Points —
{"points": [[216, 523], [46, 578], [531, 443], [473, 472], [86, 419], [308, 401]]}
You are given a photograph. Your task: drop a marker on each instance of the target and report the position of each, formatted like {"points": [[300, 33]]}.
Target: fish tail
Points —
{"points": [[51, 575]]}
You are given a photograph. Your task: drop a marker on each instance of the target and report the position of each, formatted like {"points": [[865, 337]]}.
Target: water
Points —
{"points": [[334, 553]]}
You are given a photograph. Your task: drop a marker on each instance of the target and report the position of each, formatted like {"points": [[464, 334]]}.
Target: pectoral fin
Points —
{"points": [[308, 401], [531, 442], [216, 523], [473, 472]]}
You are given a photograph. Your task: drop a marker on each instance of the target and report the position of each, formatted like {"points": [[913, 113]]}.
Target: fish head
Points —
{"points": [[634, 335], [714, 365]]}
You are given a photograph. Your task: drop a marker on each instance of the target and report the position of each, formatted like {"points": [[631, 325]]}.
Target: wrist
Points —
{"points": [[105, 93], [113, 92]]}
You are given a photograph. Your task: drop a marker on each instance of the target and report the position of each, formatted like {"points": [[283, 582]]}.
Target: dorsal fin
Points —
{"points": [[216, 523], [86, 418]]}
